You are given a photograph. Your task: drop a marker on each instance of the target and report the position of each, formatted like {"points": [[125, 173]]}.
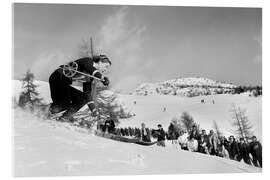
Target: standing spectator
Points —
{"points": [[109, 126], [203, 143], [222, 147], [213, 143], [144, 135], [233, 148], [244, 151], [183, 139], [160, 136], [255, 148], [194, 133]]}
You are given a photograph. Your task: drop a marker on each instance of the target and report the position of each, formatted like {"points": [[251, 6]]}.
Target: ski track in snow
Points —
{"points": [[49, 148]]}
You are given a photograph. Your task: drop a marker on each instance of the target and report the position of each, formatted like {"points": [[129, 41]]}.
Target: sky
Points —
{"points": [[144, 43]]}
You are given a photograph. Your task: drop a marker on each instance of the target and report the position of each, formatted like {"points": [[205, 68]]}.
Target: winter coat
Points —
{"points": [[213, 141], [194, 135], [109, 125], [233, 150], [145, 135], [255, 149], [243, 150], [203, 143], [160, 134]]}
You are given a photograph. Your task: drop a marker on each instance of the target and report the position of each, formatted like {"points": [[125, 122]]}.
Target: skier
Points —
{"points": [[66, 97]]}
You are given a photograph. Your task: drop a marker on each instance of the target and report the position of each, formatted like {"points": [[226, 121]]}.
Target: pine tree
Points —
{"points": [[241, 123], [187, 121], [29, 97]]}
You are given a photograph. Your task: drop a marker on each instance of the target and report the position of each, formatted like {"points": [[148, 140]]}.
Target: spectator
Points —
{"points": [[144, 135], [109, 126], [194, 133], [244, 151], [183, 139], [233, 148], [222, 148], [203, 143], [256, 152], [213, 143], [160, 136]]}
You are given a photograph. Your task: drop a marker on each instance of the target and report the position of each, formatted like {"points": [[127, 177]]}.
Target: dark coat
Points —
{"points": [[110, 126], [233, 150], [255, 149], [160, 134]]}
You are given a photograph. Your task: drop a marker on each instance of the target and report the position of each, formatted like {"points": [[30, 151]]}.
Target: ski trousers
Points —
{"points": [[64, 95]]}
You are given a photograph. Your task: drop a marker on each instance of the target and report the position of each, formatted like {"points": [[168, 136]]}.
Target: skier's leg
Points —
{"points": [[89, 88], [78, 100], [59, 92]]}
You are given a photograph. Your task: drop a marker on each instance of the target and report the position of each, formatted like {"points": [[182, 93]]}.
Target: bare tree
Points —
{"points": [[241, 122]]}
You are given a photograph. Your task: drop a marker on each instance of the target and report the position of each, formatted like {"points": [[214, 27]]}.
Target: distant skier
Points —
{"points": [[66, 97]]}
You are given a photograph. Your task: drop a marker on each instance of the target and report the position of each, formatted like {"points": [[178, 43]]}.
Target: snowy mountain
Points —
{"points": [[188, 87]]}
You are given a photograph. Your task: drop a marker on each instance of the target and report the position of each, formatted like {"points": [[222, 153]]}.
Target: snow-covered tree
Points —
{"points": [[30, 96]]}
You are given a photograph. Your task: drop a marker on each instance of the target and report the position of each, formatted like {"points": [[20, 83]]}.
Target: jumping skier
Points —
{"points": [[66, 97]]}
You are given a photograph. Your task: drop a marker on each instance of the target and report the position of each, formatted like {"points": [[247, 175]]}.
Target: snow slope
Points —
{"points": [[149, 109], [48, 148]]}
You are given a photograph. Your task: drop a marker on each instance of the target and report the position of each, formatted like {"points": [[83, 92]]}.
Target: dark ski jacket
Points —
{"points": [[194, 135], [110, 125], [85, 65], [255, 149], [233, 150], [160, 134]]}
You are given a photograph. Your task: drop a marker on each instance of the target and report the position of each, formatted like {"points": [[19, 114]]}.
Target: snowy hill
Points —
{"points": [[185, 87], [49, 148]]}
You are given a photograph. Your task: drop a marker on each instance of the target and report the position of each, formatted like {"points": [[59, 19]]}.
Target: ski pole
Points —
{"points": [[88, 75]]}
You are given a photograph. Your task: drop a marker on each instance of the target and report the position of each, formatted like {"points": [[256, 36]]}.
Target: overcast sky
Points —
{"points": [[144, 43]]}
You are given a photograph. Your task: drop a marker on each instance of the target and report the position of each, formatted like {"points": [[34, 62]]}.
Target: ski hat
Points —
{"points": [[159, 125]]}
